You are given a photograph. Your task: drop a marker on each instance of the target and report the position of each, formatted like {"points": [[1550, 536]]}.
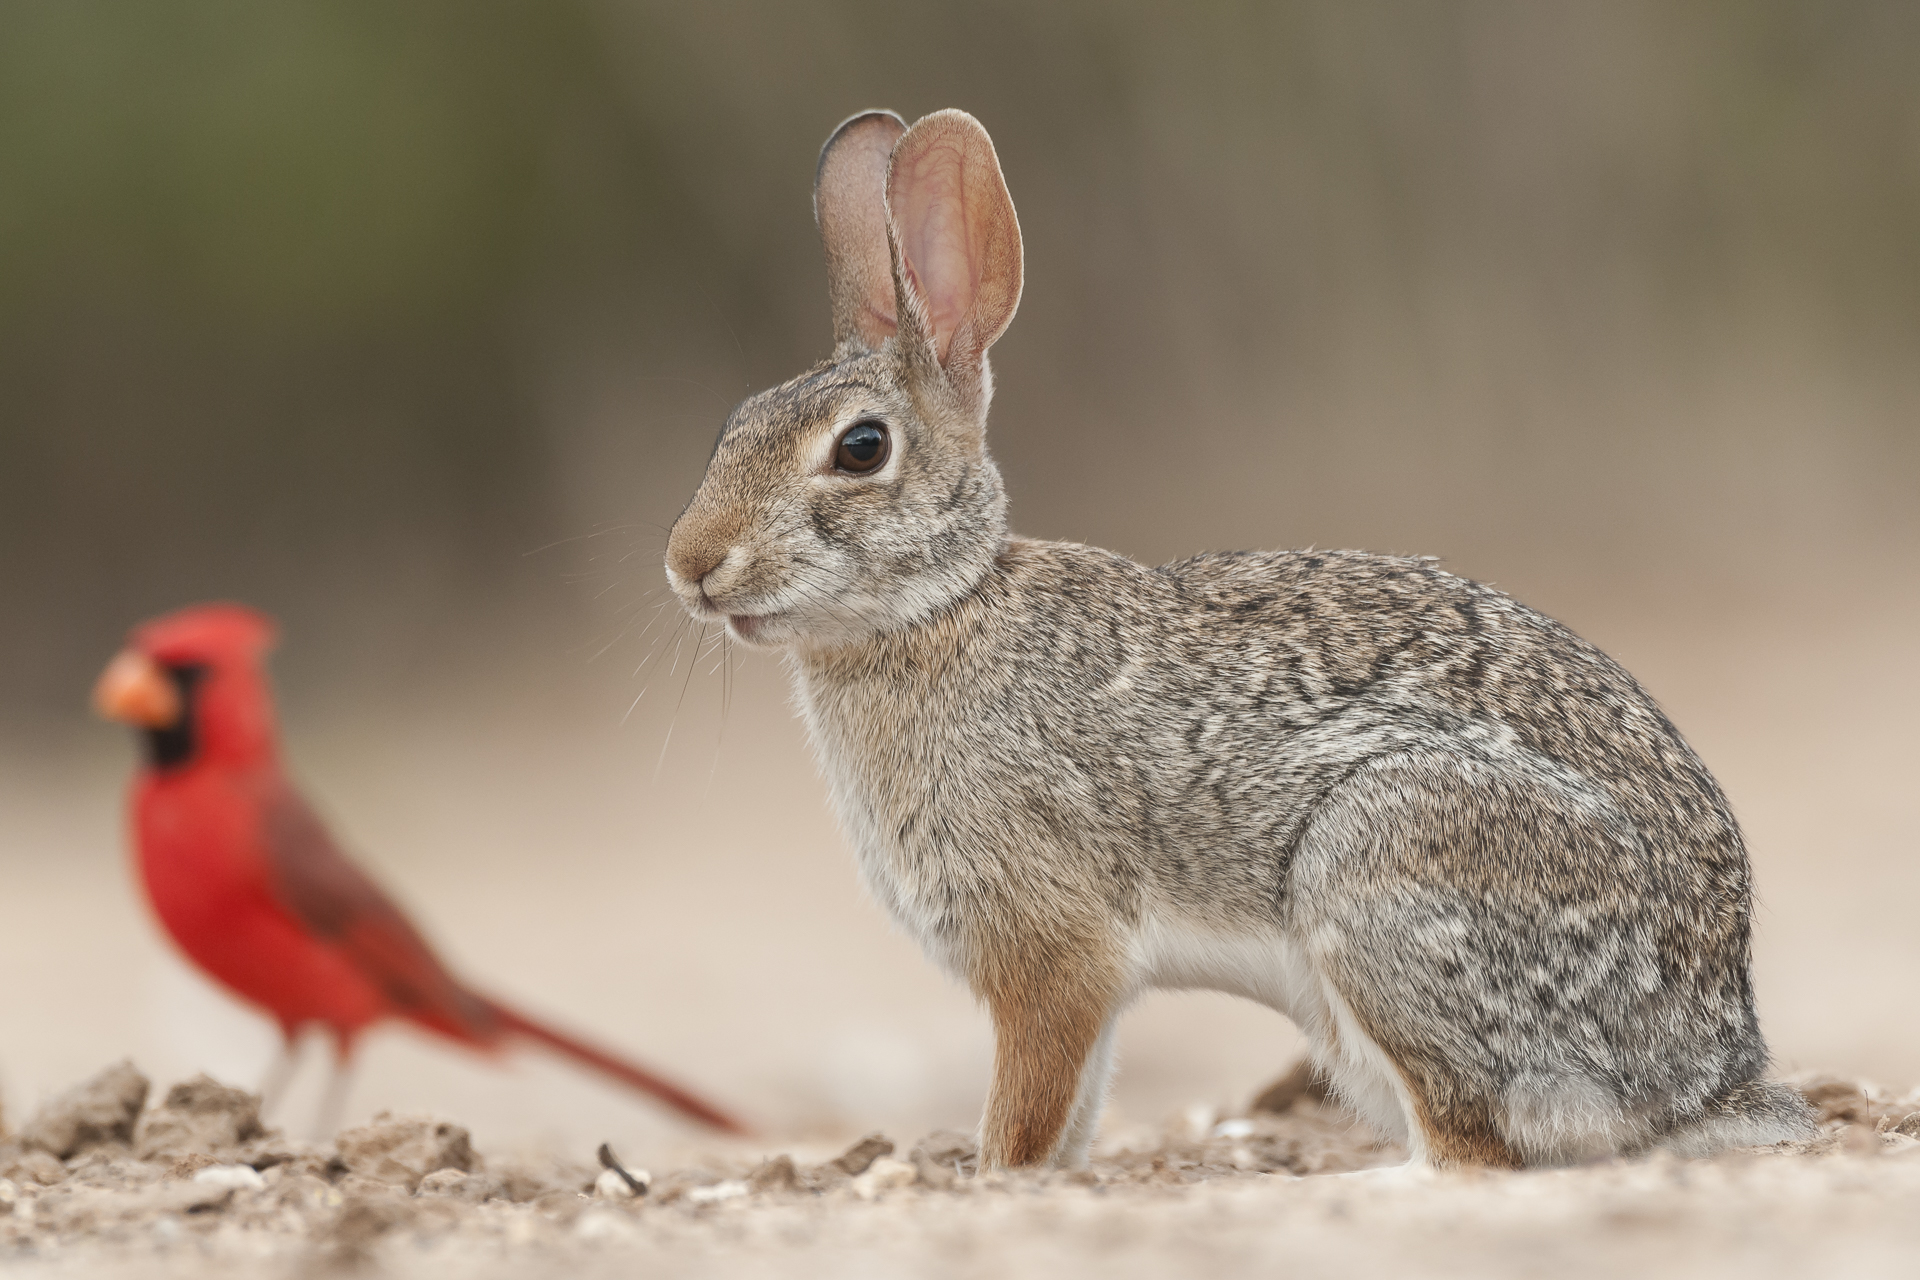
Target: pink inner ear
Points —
{"points": [[930, 214]]}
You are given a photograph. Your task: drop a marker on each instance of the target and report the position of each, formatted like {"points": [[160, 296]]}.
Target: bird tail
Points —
{"points": [[627, 1073]]}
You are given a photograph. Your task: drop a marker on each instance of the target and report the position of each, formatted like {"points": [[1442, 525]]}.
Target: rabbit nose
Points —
{"points": [[703, 540], [691, 566], [693, 552]]}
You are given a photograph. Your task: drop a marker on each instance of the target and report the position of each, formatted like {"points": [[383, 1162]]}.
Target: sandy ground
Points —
{"points": [[97, 1184], [674, 884]]}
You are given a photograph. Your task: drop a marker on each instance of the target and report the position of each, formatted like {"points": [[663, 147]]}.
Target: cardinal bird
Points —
{"points": [[251, 886]]}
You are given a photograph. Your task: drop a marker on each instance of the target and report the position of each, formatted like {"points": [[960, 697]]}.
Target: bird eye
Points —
{"points": [[863, 447]]}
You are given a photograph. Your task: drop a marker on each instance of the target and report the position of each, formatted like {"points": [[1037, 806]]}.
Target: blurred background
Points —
{"points": [[413, 324]]}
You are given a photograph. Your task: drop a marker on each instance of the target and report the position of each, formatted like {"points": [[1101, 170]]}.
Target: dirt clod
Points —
{"points": [[944, 1157], [457, 1184], [30, 1166], [854, 1160], [776, 1174], [191, 1163], [401, 1150], [102, 1110], [198, 1116]]}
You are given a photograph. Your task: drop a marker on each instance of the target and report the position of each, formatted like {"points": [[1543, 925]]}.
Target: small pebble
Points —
{"points": [[237, 1176], [611, 1186], [883, 1175], [1233, 1129], [727, 1190]]}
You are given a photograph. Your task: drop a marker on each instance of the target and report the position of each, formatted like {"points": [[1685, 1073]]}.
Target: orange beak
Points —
{"points": [[134, 689]]}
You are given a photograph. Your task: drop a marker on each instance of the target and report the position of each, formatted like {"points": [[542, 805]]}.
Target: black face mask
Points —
{"points": [[172, 747]]}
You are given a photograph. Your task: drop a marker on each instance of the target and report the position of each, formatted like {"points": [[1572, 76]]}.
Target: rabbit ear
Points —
{"points": [[850, 204], [956, 240]]}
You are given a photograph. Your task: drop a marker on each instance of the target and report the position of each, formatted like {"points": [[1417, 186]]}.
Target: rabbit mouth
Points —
{"points": [[748, 626]]}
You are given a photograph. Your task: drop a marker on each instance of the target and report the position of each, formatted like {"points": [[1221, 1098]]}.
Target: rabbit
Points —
{"points": [[1452, 841]]}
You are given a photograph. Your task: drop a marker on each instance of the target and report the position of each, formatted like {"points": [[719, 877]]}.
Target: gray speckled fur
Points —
{"points": [[1455, 842]]}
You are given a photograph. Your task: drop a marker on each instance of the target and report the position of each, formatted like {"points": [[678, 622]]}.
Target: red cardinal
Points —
{"points": [[249, 883]]}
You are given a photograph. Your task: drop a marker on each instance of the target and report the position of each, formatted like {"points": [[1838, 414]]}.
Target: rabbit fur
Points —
{"points": [[1455, 843]]}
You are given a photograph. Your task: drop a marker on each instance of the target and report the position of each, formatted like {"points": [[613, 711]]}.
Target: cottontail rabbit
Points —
{"points": [[1451, 840]]}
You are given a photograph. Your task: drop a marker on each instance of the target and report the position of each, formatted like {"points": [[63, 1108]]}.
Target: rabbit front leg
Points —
{"points": [[1053, 1006]]}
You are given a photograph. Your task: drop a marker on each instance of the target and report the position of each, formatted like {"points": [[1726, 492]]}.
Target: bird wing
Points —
{"points": [[341, 905]]}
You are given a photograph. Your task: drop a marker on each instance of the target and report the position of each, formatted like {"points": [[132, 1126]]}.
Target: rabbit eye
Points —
{"points": [[863, 447]]}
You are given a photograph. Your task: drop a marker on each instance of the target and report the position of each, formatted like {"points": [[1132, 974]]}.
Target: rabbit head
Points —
{"points": [[859, 497]]}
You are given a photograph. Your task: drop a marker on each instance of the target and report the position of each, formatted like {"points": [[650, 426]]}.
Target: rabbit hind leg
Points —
{"points": [[1457, 1130], [1478, 925], [1439, 1120], [1756, 1113]]}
